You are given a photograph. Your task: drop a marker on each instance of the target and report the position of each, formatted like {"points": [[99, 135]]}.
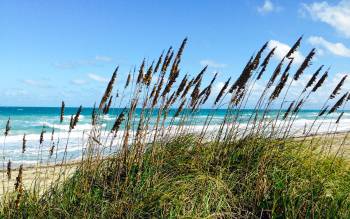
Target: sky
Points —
{"points": [[67, 50]]}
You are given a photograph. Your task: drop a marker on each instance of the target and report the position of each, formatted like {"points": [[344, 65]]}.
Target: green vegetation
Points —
{"points": [[161, 166], [249, 178]]}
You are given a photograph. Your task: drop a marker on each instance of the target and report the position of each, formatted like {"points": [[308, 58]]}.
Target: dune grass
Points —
{"points": [[253, 177], [161, 165]]}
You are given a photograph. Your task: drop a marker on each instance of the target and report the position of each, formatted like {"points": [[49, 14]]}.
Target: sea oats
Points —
{"points": [[118, 122], [169, 101], [338, 87], [156, 68], [281, 84], [182, 85], [339, 117], [8, 172], [107, 106], [159, 88], [128, 80], [320, 82], [180, 108], [148, 76], [288, 110], [52, 148], [195, 93], [313, 78], [153, 91], [41, 139], [323, 111], [256, 60], [306, 63], [24, 143], [200, 75], [275, 73], [19, 186], [206, 91], [166, 60], [222, 91], [93, 116], [75, 120], [52, 134], [265, 63], [62, 112], [294, 48], [172, 78], [108, 90], [240, 83], [19, 178], [187, 88], [298, 106], [8, 127], [141, 72], [338, 104]]}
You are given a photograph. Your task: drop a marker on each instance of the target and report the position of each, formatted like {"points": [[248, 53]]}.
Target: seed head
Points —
{"points": [[338, 103], [288, 110], [118, 122], [8, 127], [222, 91], [337, 88], [75, 120], [320, 82], [109, 89], [62, 112], [265, 63], [24, 143], [294, 48], [8, 170], [306, 63], [313, 78]]}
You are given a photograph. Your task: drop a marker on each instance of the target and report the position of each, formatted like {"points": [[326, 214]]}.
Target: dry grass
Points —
{"points": [[165, 166]]}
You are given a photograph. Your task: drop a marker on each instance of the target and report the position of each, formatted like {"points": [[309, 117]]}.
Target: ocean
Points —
{"points": [[32, 120]]}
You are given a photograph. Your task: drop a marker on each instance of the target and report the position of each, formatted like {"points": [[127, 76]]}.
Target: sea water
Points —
{"points": [[33, 120]]}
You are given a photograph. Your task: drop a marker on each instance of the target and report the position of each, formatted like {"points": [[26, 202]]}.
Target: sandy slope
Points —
{"points": [[44, 176], [40, 177]]}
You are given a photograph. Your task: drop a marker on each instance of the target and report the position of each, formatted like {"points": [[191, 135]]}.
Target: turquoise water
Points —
{"points": [[32, 120]]}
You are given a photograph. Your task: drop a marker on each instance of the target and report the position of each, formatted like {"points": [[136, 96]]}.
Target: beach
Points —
{"points": [[337, 144]]}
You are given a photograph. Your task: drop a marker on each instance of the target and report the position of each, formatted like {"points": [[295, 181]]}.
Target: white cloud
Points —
{"points": [[31, 82], [15, 93], [79, 81], [282, 49], [97, 78], [337, 16], [212, 64], [103, 58], [338, 49], [83, 62], [35, 83], [268, 7]]}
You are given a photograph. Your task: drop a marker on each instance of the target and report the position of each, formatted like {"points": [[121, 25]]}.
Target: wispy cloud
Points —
{"points": [[268, 7], [78, 81], [30, 82], [282, 49], [212, 63], [337, 16], [103, 58], [84, 62], [338, 49], [15, 92], [97, 78], [36, 83]]}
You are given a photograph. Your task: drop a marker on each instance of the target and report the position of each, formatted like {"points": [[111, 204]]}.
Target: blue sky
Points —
{"points": [[54, 50]]}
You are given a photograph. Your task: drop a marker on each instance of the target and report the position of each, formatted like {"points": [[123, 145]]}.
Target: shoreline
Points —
{"points": [[45, 174]]}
